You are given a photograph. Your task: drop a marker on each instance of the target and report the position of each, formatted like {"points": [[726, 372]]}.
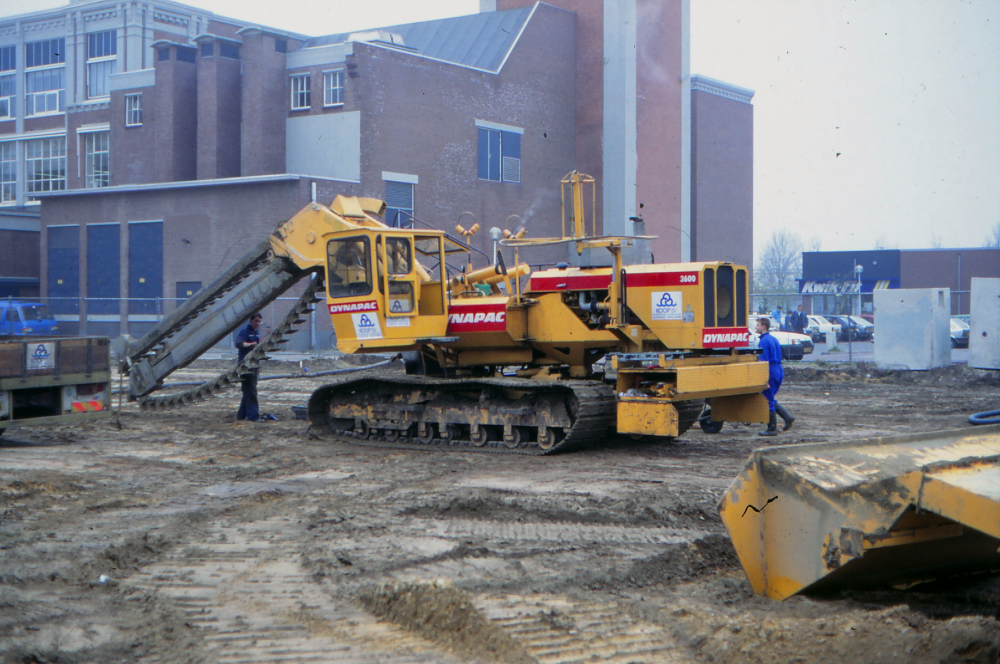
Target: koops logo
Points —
{"points": [[667, 305], [370, 305], [725, 337], [477, 318]]}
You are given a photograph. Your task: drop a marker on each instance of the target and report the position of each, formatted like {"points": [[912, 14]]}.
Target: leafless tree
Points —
{"points": [[816, 244], [935, 241], [993, 239], [777, 270]]}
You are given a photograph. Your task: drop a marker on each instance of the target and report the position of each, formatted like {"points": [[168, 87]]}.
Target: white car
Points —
{"points": [[793, 346], [819, 326]]}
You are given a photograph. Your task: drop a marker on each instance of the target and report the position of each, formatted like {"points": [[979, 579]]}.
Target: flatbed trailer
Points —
{"points": [[46, 380]]}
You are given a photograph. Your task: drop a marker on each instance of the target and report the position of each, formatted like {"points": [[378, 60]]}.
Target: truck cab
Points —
{"points": [[24, 318]]}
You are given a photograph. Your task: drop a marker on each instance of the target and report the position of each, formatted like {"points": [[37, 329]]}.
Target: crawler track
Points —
{"points": [[498, 415]]}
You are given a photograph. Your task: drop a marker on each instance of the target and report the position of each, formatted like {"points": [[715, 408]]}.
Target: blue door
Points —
{"points": [[145, 266], [64, 269], [103, 268]]}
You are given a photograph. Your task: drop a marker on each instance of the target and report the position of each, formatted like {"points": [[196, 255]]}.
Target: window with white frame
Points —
{"points": [[499, 155], [102, 49], [45, 165], [301, 98], [8, 172], [98, 159], [45, 76], [8, 80], [399, 204], [133, 110], [333, 88]]}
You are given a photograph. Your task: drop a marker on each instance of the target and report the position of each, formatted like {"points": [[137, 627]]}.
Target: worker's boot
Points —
{"points": [[772, 426], [785, 415]]}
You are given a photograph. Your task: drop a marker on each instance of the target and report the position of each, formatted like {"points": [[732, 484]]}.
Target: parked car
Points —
{"points": [[959, 333], [850, 329], [793, 346], [818, 328], [866, 330], [25, 318]]}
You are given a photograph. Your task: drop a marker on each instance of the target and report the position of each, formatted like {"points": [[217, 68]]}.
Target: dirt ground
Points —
{"points": [[184, 536]]}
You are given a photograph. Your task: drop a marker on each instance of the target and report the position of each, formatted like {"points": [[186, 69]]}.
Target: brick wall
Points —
{"points": [[264, 105], [219, 114], [175, 136], [418, 117], [721, 179], [132, 147], [19, 254]]}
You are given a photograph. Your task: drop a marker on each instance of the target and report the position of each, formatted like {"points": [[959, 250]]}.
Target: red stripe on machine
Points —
{"points": [[725, 337], [354, 307], [477, 318], [570, 282], [652, 279]]}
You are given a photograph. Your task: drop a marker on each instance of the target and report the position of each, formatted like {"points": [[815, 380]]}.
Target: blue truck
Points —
{"points": [[23, 318]]}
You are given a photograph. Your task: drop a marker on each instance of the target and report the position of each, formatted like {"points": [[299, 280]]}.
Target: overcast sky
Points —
{"points": [[875, 121]]}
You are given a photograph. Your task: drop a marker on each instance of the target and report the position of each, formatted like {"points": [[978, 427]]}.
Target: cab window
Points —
{"points": [[397, 255], [349, 271]]}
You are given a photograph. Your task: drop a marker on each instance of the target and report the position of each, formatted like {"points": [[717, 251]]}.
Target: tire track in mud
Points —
{"points": [[254, 605], [244, 588], [557, 533], [555, 630]]}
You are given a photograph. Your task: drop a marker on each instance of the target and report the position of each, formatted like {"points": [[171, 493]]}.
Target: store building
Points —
{"points": [[832, 283]]}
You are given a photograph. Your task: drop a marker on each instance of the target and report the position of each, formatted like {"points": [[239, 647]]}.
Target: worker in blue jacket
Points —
{"points": [[246, 341], [770, 352]]}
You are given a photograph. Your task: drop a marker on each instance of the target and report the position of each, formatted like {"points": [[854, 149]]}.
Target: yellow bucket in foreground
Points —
{"points": [[884, 511]]}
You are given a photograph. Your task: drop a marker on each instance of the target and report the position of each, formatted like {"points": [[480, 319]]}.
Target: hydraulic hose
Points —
{"points": [[987, 417]]}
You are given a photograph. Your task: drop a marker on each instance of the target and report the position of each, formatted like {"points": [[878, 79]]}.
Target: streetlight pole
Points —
{"points": [[850, 322]]}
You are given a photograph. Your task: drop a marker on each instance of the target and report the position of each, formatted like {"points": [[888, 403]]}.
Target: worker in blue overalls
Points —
{"points": [[246, 341], [770, 352]]}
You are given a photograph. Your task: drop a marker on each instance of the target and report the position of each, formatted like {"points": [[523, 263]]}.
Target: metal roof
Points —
{"points": [[478, 40]]}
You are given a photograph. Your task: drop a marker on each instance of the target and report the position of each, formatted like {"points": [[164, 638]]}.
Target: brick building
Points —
{"points": [[162, 139]]}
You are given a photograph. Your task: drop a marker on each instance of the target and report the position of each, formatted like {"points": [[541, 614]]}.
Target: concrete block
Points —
{"points": [[984, 319], [913, 328]]}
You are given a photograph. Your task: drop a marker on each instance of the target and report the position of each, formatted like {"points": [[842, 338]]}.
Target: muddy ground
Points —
{"points": [[184, 536]]}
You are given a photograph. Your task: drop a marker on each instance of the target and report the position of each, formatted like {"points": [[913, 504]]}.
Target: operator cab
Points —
{"points": [[386, 287]]}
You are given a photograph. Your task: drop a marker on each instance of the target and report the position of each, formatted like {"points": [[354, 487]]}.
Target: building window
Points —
{"points": [[98, 159], [45, 165], [499, 155], [399, 204], [207, 50], [45, 91], [45, 76], [163, 54], [133, 110], [8, 172], [333, 88], [231, 51], [300, 92], [45, 53], [186, 54], [102, 50], [8, 89], [280, 46], [8, 80]]}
